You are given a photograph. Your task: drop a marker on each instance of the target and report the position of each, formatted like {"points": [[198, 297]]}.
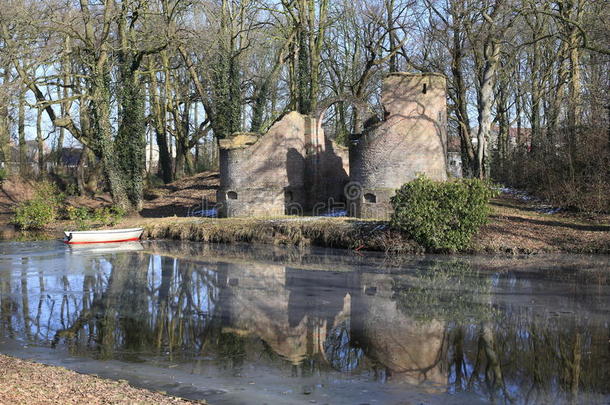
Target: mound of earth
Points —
{"points": [[182, 196], [14, 190]]}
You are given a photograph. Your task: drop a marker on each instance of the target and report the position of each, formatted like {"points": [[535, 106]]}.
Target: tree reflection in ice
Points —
{"points": [[441, 324]]}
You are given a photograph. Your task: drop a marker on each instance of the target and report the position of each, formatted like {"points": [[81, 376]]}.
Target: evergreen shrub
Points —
{"points": [[442, 216]]}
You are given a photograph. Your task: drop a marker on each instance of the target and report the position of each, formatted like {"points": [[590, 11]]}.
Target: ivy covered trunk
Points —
{"points": [[130, 142], [5, 136], [226, 93], [103, 144]]}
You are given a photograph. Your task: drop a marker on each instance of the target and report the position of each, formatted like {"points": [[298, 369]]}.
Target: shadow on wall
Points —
{"points": [[316, 181], [294, 192], [409, 141]]}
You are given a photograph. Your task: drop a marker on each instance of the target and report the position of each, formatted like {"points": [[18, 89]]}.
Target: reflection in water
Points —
{"points": [[443, 325]]}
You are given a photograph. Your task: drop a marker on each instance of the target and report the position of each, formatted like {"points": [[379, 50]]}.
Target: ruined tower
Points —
{"points": [[409, 141], [292, 169]]}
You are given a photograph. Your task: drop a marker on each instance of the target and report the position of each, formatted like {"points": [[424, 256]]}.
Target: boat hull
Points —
{"points": [[106, 236]]}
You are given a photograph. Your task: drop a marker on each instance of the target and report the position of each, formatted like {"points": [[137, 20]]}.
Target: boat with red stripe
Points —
{"points": [[103, 236]]}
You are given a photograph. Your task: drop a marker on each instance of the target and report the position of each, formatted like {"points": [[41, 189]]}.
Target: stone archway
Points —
{"points": [[356, 102]]}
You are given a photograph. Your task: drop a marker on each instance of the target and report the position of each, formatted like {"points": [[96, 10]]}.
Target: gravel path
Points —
{"points": [[25, 382]]}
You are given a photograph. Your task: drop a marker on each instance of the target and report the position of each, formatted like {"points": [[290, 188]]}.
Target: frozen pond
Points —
{"points": [[243, 325]]}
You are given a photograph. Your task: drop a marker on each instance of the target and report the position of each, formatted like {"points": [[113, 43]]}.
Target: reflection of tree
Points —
{"points": [[7, 305], [340, 350], [448, 290], [141, 308], [492, 347], [25, 304], [440, 324]]}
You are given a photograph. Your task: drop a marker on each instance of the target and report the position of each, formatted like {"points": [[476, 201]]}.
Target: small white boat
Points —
{"points": [[104, 236]]}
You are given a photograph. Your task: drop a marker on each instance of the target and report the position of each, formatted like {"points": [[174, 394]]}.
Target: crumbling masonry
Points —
{"points": [[295, 169]]}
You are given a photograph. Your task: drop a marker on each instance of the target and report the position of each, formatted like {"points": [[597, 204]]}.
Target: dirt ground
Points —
{"points": [[181, 196], [177, 198], [12, 192], [518, 226], [25, 382]]}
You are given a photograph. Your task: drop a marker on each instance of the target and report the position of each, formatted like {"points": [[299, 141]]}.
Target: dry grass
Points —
{"points": [[514, 228], [343, 233], [24, 382]]}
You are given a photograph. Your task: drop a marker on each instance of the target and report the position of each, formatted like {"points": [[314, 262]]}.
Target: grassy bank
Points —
{"points": [[344, 233], [514, 228], [517, 226]]}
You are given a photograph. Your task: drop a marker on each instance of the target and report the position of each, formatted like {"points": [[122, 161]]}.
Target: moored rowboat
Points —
{"points": [[104, 236]]}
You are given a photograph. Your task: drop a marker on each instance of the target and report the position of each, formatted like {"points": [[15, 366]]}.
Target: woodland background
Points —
{"points": [[528, 83]]}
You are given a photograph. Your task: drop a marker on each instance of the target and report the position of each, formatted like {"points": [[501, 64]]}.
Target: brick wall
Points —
{"points": [[290, 169], [411, 140]]}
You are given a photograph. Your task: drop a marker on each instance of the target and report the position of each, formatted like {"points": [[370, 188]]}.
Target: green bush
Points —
{"points": [[49, 192], [80, 215], [85, 218], [442, 216], [40, 210], [3, 174], [77, 213], [108, 215]]}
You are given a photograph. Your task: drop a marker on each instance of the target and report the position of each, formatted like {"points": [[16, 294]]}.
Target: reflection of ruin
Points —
{"points": [[260, 303], [294, 168], [295, 311], [409, 349], [221, 315]]}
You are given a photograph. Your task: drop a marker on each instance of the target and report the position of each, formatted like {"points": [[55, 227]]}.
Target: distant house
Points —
{"points": [[12, 164], [70, 156], [517, 137]]}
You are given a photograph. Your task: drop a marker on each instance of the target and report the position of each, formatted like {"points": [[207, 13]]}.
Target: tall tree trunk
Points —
{"points": [[130, 142], [104, 142], [131, 135], [40, 142], [492, 51], [316, 41], [159, 108], [23, 156], [389, 5], [5, 136], [466, 147], [65, 67]]}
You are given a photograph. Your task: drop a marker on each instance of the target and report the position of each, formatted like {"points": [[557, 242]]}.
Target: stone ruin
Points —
{"points": [[295, 169]]}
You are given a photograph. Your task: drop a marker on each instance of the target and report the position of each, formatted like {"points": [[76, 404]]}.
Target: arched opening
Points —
{"points": [[231, 195], [362, 107], [288, 196], [370, 198]]}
